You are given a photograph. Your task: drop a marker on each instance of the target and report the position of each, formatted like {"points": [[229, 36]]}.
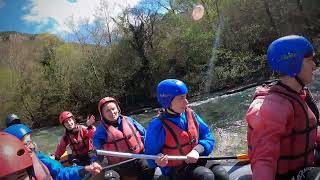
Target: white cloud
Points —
{"points": [[40, 11], [2, 4]]}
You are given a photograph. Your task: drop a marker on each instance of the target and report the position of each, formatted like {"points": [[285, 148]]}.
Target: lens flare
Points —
{"points": [[197, 12], [214, 56]]}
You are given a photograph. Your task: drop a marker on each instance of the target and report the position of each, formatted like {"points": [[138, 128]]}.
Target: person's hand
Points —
{"points": [[32, 146], [94, 168], [90, 120], [192, 157], [162, 161]]}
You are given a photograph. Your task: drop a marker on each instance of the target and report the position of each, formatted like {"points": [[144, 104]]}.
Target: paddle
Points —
{"points": [[118, 164], [241, 157]]}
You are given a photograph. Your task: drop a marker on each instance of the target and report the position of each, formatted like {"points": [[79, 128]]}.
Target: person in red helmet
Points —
{"points": [[77, 137], [44, 167], [283, 117], [122, 134], [14, 158]]}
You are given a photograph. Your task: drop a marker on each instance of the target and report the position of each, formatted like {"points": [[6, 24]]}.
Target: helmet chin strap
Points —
{"points": [[112, 123], [300, 81], [31, 173], [171, 111]]}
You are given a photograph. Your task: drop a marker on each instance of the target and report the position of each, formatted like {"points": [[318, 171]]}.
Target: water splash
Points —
{"points": [[213, 99]]}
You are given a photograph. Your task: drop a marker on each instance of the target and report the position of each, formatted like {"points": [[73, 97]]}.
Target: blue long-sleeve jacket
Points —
{"points": [[156, 133], [57, 171], [100, 136]]}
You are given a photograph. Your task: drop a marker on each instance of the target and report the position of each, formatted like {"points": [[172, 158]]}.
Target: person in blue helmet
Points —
{"points": [[283, 117], [12, 119], [45, 167], [178, 130]]}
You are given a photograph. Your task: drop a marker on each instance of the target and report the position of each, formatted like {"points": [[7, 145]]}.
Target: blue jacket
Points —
{"points": [[100, 136], [58, 171], [156, 133]]}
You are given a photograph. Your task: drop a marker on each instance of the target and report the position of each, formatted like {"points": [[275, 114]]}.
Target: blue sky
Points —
{"points": [[38, 16], [11, 13]]}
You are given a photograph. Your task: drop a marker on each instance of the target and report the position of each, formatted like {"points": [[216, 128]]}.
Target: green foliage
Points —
{"points": [[234, 68], [8, 79], [40, 75]]}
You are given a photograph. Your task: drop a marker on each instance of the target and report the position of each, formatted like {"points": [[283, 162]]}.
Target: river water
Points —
{"points": [[224, 114]]}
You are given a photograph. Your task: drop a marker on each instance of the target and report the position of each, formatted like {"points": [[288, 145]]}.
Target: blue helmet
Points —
{"points": [[285, 55], [168, 89], [18, 130], [10, 118]]}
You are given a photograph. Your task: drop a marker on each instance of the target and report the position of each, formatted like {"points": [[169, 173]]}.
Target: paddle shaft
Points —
{"points": [[218, 158], [154, 157], [137, 156], [118, 164]]}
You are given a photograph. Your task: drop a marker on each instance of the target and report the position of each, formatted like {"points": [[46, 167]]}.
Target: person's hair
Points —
{"points": [[308, 55], [278, 75]]}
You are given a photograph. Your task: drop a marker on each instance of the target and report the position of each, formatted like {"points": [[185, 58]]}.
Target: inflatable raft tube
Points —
{"points": [[237, 170]]}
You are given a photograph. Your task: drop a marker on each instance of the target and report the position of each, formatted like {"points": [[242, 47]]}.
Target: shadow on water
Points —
{"points": [[224, 114]]}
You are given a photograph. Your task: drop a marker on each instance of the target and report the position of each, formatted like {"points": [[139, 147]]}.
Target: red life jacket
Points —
{"points": [[177, 141], [127, 140], [79, 143], [297, 147], [40, 170]]}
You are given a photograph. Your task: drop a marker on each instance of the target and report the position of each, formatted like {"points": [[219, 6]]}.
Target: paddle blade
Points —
{"points": [[243, 157], [240, 157]]}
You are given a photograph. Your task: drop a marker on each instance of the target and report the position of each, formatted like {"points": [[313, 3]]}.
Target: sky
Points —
{"points": [[39, 16]]}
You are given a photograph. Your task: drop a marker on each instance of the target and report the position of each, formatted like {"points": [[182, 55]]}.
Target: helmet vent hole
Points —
{"points": [[20, 152]]}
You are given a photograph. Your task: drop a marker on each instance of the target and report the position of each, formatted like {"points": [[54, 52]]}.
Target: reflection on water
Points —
{"points": [[224, 115]]}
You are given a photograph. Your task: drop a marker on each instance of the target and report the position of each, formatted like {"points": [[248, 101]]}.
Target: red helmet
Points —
{"points": [[106, 100], [64, 116], [13, 155]]}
